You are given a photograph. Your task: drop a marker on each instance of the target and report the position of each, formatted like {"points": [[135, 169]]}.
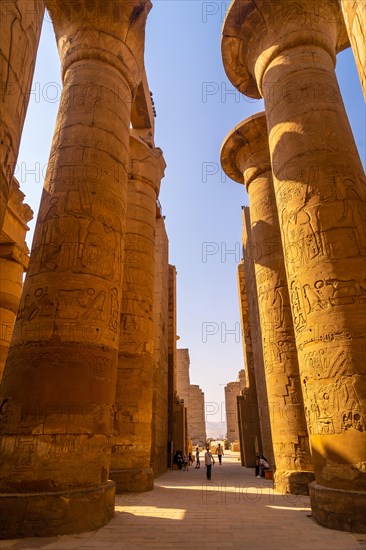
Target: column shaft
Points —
{"points": [[320, 194], [21, 23], [254, 334], [14, 259], [159, 454], [60, 377], [246, 157], [354, 14], [251, 410], [294, 468], [131, 454]]}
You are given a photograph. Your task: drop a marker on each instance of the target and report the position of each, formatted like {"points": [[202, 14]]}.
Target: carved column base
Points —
{"points": [[338, 509], [56, 513], [133, 480], [293, 482]]}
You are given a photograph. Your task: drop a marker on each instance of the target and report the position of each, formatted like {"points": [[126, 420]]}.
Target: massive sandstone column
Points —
{"points": [[177, 415], [250, 411], [58, 387], [14, 259], [193, 398], [252, 337], [20, 29], [183, 380], [354, 14], [131, 452], [245, 158], [196, 416], [232, 390], [159, 452], [288, 57]]}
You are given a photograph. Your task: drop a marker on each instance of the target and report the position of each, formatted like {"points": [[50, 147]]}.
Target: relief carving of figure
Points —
{"points": [[40, 305], [342, 218], [314, 300], [60, 239], [301, 241], [328, 293], [100, 249], [81, 304]]}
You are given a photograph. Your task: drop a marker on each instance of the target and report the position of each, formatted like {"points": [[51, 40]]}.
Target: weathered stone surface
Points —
{"points": [[252, 338], [332, 507], [248, 415], [132, 443], [180, 441], [245, 158], [196, 416], [354, 14], [289, 58], [21, 24], [69, 511], [183, 379], [248, 421], [14, 261], [60, 375], [159, 457], [232, 390], [193, 400], [177, 417]]}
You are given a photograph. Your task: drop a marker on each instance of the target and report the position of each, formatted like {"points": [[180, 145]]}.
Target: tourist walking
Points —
{"points": [[209, 462], [220, 453], [198, 463]]}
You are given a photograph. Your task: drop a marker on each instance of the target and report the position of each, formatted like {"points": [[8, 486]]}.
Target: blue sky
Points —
{"points": [[196, 108]]}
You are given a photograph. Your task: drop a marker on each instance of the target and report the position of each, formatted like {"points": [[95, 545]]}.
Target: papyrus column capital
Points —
{"points": [[245, 152], [256, 33], [111, 31]]}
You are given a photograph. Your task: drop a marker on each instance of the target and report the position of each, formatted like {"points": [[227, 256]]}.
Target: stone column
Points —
{"points": [[196, 416], [232, 391], [21, 23], [60, 377], [245, 158], [354, 14], [288, 57], [131, 452], [14, 261], [253, 359], [180, 442], [159, 454], [252, 336], [177, 415], [183, 380], [248, 420]]}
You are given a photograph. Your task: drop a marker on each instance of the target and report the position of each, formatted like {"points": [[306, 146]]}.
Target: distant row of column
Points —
{"points": [[85, 398], [194, 400], [232, 390], [306, 188]]}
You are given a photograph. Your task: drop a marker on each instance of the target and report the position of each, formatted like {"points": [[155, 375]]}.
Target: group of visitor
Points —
{"points": [[183, 461]]}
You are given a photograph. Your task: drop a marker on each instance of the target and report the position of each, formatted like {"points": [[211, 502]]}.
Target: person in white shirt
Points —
{"points": [[209, 462], [262, 464]]}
